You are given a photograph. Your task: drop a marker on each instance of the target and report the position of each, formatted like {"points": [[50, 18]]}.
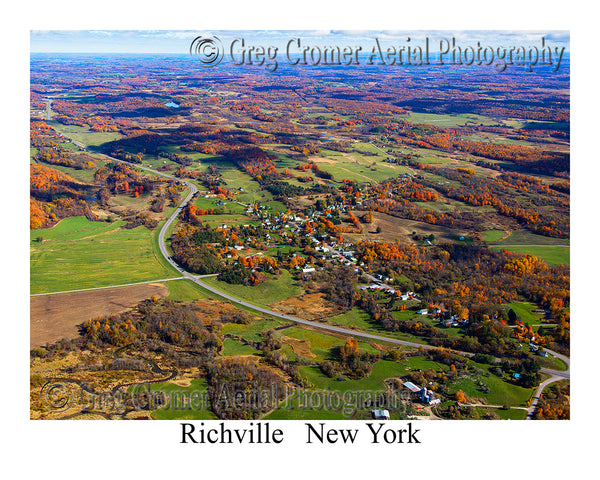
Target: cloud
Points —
{"points": [[106, 33]]}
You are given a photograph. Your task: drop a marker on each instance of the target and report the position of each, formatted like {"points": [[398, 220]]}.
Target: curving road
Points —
{"points": [[556, 375]]}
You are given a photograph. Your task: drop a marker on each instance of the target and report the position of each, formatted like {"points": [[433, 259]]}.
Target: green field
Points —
{"points": [[428, 156], [363, 171], [227, 206], [502, 392], [526, 238], [77, 254], [373, 383], [235, 179], [233, 347], [492, 235], [251, 331], [293, 409], [83, 175], [356, 165], [129, 202], [510, 414], [228, 219], [353, 318], [278, 288], [184, 403], [497, 139], [360, 320], [552, 255], [184, 291], [322, 345], [554, 251], [449, 120], [526, 311], [452, 120], [276, 206], [84, 135]]}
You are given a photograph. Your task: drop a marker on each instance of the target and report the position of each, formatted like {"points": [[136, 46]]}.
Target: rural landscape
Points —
{"points": [[328, 242]]}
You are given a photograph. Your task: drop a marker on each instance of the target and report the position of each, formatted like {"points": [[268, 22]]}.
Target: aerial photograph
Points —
{"points": [[299, 225]]}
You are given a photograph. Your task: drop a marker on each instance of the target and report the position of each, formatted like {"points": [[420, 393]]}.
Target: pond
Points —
{"points": [[171, 104]]}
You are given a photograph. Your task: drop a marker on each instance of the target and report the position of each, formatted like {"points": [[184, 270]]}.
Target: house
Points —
{"points": [[380, 414], [422, 312]]}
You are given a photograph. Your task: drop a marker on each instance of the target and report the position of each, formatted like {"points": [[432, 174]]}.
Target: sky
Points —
{"points": [[178, 41]]}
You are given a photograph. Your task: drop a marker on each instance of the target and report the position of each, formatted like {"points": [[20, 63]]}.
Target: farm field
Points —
{"points": [[526, 311], [233, 347], [53, 317], [77, 254], [275, 289], [85, 136], [501, 391], [185, 402], [316, 345], [523, 237], [450, 120], [359, 320], [83, 175], [493, 236], [251, 332], [359, 167], [554, 251], [184, 291], [553, 255]]}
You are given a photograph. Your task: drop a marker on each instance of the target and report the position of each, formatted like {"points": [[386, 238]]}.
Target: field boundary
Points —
{"points": [[104, 288]]}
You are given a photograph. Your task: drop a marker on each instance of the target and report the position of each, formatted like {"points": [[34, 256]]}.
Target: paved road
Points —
{"points": [[556, 375]]}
